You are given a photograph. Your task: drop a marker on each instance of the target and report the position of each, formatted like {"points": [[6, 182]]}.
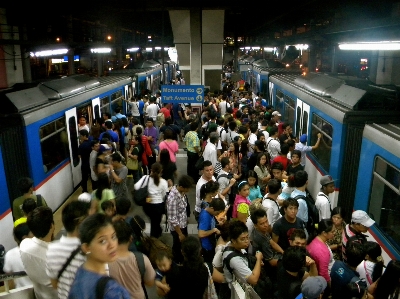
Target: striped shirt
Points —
{"points": [[57, 254]]}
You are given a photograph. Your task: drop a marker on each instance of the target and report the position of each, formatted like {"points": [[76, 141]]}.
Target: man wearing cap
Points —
{"points": [[312, 288], [353, 232], [303, 147], [276, 117], [84, 151], [322, 202]]}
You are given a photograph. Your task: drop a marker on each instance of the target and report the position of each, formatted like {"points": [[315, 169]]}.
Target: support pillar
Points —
{"points": [[199, 38], [384, 67]]}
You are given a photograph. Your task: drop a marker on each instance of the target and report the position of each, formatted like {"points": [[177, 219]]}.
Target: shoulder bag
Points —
{"points": [[141, 194]]}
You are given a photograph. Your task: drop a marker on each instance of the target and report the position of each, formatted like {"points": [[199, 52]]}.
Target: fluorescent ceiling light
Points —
{"points": [[133, 49], [268, 49], [49, 53], [149, 49], [384, 45], [101, 50]]}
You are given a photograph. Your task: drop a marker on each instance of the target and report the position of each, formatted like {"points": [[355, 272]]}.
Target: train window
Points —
{"points": [[384, 202], [289, 116], [116, 101], [54, 143], [105, 105], [279, 94], [323, 153]]}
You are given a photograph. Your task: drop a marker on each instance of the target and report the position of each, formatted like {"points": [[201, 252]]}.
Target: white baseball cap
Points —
{"points": [[362, 217], [276, 113]]}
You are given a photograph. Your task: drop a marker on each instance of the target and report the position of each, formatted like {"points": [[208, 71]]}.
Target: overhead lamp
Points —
{"points": [[382, 45], [49, 52], [268, 49], [101, 50], [133, 49], [149, 49]]}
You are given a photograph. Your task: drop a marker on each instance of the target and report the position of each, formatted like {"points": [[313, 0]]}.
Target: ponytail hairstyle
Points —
{"points": [[209, 187], [156, 170], [374, 252], [290, 181], [193, 263]]}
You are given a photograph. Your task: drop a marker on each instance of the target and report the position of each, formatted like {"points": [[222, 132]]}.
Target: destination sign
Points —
{"points": [[191, 94]]}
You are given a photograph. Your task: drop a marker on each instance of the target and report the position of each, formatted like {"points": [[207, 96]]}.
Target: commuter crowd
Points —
{"points": [[256, 219]]}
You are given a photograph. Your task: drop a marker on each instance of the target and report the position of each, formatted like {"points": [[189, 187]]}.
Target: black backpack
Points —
{"points": [[313, 214], [264, 286]]}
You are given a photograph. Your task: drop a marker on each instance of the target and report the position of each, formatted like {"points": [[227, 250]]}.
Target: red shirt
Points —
{"points": [[166, 112], [285, 161]]}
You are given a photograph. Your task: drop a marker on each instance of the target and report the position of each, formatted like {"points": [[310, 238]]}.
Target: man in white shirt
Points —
{"points": [[59, 251], [273, 144], [12, 259], [252, 137], [152, 109], [223, 105], [322, 201], [208, 175], [33, 251], [270, 201], [210, 151], [304, 148]]}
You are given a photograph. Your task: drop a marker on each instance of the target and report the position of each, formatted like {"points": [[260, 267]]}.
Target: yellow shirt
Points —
{"points": [[19, 221]]}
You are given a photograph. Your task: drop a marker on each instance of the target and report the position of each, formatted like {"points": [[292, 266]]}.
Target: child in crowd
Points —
{"points": [[252, 179], [109, 208], [167, 273]]}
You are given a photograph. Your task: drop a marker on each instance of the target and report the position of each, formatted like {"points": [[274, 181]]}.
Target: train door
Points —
{"points": [[73, 141], [271, 94], [302, 114], [96, 109]]}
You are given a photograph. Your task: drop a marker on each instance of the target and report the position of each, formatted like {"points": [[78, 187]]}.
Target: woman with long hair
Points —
{"points": [[262, 169], [99, 244], [335, 244], [388, 285], [233, 154], [372, 267], [169, 168], [154, 207], [196, 277], [255, 191], [103, 192]]}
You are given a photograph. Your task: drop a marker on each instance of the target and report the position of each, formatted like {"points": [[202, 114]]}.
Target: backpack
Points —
{"points": [[234, 189], [264, 286], [107, 135], [313, 213], [160, 119]]}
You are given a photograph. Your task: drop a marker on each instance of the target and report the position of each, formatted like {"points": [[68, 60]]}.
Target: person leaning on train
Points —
{"points": [[25, 185]]}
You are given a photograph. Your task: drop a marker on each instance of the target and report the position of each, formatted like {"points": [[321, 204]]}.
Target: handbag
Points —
{"points": [[199, 163], [142, 193], [132, 164]]}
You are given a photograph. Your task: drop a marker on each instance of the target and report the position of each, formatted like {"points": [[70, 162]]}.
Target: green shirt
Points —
{"points": [[107, 194], [17, 205]]}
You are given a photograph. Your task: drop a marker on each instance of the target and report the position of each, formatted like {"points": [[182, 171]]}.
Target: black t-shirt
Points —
{"points": [[283, 229], [84, 150], [289, 286], [283, 137], [168, 171], [293, 169]]}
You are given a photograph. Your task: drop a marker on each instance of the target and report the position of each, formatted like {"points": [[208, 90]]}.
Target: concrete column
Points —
{"points": [[384, 67], [71, 65], [198, 38], [333, 61], [99, 64]]}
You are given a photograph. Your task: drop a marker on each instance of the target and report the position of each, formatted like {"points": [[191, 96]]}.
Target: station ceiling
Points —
{"points": [[256, 19]]}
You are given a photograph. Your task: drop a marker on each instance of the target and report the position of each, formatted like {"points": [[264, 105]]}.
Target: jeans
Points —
{"points": [[154, 211]]}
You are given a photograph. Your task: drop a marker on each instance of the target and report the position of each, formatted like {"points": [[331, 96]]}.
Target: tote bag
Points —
{"points": [[141, 194]]}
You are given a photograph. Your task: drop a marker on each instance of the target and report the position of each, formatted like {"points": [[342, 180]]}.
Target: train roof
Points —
{"points": [[386, 136], [269, 63], [60, 93], [349, 92], [133, 71]]}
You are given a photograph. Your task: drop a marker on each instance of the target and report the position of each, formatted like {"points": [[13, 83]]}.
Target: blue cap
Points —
{"points": [[303, 138]]}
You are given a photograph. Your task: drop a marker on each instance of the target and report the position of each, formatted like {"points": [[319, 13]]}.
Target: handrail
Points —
{"points": [[8, 276]]}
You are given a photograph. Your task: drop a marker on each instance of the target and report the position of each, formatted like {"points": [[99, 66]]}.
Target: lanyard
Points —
{"points": [[367, 274]]}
